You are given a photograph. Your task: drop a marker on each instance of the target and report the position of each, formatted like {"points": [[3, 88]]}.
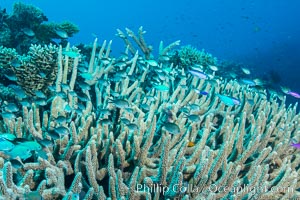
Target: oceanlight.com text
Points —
{"points": [[188, 188]]}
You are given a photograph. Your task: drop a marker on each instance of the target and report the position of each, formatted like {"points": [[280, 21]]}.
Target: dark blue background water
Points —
{"points": [[261, 34]]}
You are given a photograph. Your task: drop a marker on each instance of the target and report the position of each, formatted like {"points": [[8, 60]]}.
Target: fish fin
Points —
{"points": [[292, 142], [20, 140]]}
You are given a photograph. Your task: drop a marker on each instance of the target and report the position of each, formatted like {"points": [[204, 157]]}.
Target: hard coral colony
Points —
{"points": [[136, 128]]}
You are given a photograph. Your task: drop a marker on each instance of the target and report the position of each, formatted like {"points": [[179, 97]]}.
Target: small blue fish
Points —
{"points": [[125, 120], [25, 103], [46, 142], [33, 195], [22, 151], [68, 108], [8, 115], [246, 70], [145, 106], [294, 94], [82, 69], [250, 101], [42, 74], [40, 101], [195, 107], [20, 93], [84, 86], [229, 101], [103, 111], [132, 126], [105, 121], [120, 103], [105, 61], [53, 134], [172, 128], [61, 119], [86, 76], [199, 74], [11, 107], [6, 145], [78, 111], [152, 63], [28, 31], [71, 54], [16, 63], [162, 88], [40, 94], [61, 33], [75, 196], [201, 92], [7, 136], [31, 145], [83, 97], [61, 130], [52, 88], [247, 82], [193, 117], [72, 93], [41, 153], [62, 95], [65, 86], [10, 76]]}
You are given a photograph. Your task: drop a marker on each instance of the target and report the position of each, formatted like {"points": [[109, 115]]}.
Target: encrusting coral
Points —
{"points": [[131, 139]]}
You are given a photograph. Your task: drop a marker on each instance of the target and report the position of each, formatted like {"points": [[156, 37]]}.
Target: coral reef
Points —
{"points": [[28, 25], [122, 137]]}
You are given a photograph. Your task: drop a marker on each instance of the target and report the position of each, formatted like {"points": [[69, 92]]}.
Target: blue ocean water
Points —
{"points": [[262, 35]]}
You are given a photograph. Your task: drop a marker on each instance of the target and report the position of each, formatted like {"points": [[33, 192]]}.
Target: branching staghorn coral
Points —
{"points": [[119, 146], [139, 40]]}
